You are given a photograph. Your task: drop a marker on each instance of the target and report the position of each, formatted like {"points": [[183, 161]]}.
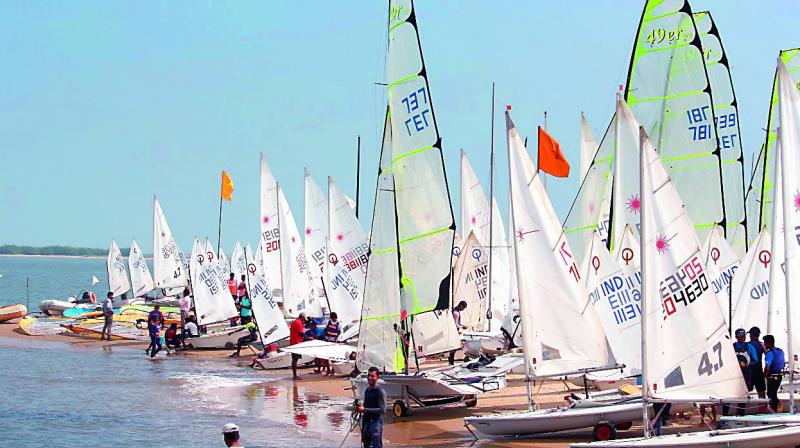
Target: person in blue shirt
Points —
{"points": [[373, 408], [746, 354], [756, 368], [774, 362]]}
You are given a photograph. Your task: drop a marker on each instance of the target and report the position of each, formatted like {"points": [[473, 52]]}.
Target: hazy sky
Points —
{"points": [[103, 104]]}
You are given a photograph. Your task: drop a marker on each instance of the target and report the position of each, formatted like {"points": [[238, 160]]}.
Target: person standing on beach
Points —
{"points": [[108, 315], [230, 432], [756, 366], [185, 304], [774, 362], [155, 321], [373, 408], [297, 335], [462, 305]]}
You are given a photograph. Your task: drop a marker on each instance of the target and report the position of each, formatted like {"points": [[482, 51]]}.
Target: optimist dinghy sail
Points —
{"points": [[212, 299], [470, 283], [475, 217], [270, 241], [727, 127], [316, 229], [238, 261], [553, 302], [722, 262], [347, 257], [268, 316], [141, 281], [750, 285], [615, 294], [669, 92], [687, 353], [169, 264], [298, 292], [118, 282]]}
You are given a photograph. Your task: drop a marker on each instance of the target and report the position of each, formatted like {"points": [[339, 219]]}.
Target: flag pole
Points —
{"points": [[219, 224], [544, 175]]}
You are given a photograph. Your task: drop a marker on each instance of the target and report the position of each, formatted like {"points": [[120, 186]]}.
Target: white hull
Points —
{"points": [[282, 360], [552, 420], [55, 307], [761, 437], [343, 368], [476, 344], [424, 387], [749, 421], [222, 339]]}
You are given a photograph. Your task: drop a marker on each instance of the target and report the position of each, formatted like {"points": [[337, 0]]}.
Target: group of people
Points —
{"points": [[305, 328], [762, 364]]}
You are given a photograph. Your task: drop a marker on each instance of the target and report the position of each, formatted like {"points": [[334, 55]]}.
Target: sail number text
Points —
{"points": [[684, 286], [417, 103], [660, 35], [706, 367], [272, 240]]}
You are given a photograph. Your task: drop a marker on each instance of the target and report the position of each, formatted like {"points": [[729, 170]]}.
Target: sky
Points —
{"points": [[104, 104]]}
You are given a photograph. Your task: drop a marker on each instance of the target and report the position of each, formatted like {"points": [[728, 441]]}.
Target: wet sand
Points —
{"points": [[423, 427]]}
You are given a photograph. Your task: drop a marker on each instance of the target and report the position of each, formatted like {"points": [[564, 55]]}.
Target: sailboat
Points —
{"points": [[170, 267], [412, 235], [118, 283], [213, 303], [551, 346], [678, 305], [270, 239], [141, 280]]}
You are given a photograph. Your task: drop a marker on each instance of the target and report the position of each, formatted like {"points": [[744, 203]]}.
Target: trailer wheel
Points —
{"points": [[603, 431], [470, 401], [399, 409], [229, 345], [624, 426]]}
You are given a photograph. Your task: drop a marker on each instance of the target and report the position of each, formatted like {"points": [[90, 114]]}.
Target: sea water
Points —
{"points": [[67, 394]]}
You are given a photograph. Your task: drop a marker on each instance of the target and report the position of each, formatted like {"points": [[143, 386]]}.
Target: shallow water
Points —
{"points": [[71, 394]]}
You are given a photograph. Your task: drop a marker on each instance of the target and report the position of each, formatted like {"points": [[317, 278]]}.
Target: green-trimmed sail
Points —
{"points": [[759, 194], [670, 95], [726, 111], [425, 222], [378, 342]]}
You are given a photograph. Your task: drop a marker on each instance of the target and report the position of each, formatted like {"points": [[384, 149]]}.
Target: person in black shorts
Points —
{"points": [[757, 380]]}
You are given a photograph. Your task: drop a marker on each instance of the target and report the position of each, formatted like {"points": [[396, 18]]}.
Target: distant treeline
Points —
{"points": [[12, 249]]}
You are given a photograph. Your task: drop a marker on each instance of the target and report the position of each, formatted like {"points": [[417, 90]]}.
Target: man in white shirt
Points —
{"points": [[108, 315], [191, 328]]}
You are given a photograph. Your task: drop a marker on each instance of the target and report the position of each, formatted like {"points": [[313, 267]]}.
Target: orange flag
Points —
{"points": [[227, 187], [551, 159]]}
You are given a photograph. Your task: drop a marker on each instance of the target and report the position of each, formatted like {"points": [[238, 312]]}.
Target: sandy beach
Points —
{"points": [[424, 427]]}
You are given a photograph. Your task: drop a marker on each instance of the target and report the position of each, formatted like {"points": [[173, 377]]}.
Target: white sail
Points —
{"points": [[625, 201], [435, 332], [212, 299], [553, 303], [298, 294], [615, 293], [224, 262], [378, 341], [475, 217], [589, 146], [425, 222], [270, 228], [511, 322], [789, 150], [688, 353], [722, 262], [141, 281], [118, 283], [471, 282], [268, 315], [750, 286], [627, 253], [239, 260], [316, 229], [169, 263], [458, 242], [261, 263], [348, 254]]}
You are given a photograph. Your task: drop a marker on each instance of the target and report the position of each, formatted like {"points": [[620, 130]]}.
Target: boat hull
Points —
{"points": [[553, 420], [762, 437], [12, 312], [222, 339], [282, 361]]}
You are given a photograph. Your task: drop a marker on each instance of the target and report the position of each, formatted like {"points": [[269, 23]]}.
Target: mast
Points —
{"points": [[643, 320], [280, 246], [491, 215], [788, 244], [358, 175]]}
